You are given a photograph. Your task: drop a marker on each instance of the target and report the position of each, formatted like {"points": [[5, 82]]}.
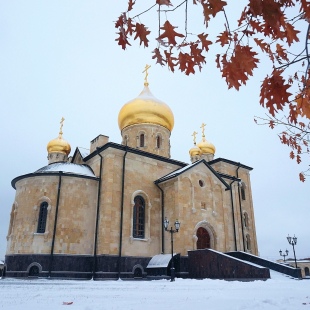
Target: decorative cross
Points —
{"points": [[146, 74], [194, 135], [203, 129], [61, 125]]}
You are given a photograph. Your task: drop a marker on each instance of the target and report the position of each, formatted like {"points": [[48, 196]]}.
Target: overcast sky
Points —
{"points": [[60, 59]]}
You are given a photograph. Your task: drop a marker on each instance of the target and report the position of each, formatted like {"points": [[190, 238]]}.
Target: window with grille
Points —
{"points": [[42, 217], [138, 217]]}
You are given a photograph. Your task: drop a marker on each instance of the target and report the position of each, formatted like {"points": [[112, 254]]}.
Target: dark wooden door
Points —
{"points": [[203, 241]]}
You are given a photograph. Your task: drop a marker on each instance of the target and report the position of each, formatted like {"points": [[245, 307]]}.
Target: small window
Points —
{"points": [[242, 191], [248, 242], [142, 140], [138, 217], [42, 217], [307, 274], [201, 183], [158, 142], [246, 220]]}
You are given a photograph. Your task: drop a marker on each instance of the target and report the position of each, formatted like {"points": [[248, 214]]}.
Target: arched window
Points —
{"points": [[307, 274], [248, 242], [138, 217], [34, 271], [142, 140], [158, 141], [42, 217], [246, 220]]}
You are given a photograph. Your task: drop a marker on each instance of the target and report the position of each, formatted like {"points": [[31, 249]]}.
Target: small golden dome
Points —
{"points": [[59, 145], [194, 151], [145, 109], [206, 147]]}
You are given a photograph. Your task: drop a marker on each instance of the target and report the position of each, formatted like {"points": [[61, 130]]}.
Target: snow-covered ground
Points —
{"points": [[279, 292]]}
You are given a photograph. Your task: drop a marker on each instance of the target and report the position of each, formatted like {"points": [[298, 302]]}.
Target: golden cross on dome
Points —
{"points": [[194, 135], [61, 125], [203, 129], [146, 74]]}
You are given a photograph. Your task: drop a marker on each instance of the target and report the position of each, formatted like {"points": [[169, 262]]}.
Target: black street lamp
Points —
{"points": [[172, 231], [286, 251], [292, 241]]}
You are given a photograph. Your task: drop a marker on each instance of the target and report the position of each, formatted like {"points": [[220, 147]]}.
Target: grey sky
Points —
{"points": [[59, 58]]}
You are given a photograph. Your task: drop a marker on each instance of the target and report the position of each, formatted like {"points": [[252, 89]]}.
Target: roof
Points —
{"points": [[160, 261], [68, 168], [229, 162], [177, 172], [134, 151]]}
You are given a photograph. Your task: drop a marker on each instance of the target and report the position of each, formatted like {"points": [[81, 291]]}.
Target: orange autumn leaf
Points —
{"points": [[169, 33], [291, 34], [186, 63], [224, 38], [142, 33], [171, 61], [302, 177], [157, 55], [130, 5], [203, 39], [281, 52], [303, 103], [274, 92], [122, 40], [240, 66]]}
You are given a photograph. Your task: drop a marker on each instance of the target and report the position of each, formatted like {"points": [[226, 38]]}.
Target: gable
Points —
{"points": [[202, 166]]}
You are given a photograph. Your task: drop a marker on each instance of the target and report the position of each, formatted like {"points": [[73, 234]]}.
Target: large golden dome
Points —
{"points": [[145, 109]]}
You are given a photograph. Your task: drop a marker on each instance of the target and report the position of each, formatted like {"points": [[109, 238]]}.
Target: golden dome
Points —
{"points": [[145, 109], [206, 147], [194, 151], [59, 145]]}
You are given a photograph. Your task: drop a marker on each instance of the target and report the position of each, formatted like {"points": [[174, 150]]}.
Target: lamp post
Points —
{"points": [[293, 241], [286, 251], [172, 231]]}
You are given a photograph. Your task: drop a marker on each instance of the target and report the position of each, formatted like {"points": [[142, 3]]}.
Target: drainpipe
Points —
{"points": [[55, 225], [240, 207], [162, 219], [233, 213], [97, 218], [122, 214]]}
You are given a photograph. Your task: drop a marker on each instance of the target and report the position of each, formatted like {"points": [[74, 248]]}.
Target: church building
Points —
{"points": [[101, 215]]}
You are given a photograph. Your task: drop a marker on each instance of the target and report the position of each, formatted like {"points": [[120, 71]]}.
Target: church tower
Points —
{"points": [[146, 122]]}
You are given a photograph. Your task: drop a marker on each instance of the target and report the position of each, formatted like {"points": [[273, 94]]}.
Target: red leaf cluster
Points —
{"points": [[264, 26]]}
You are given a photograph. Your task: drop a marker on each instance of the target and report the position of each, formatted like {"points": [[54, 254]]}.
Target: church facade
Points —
{"points": [[100, 214]]}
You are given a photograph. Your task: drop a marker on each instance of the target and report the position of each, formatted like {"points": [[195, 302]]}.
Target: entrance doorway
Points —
{"points": [[203, 241]]}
